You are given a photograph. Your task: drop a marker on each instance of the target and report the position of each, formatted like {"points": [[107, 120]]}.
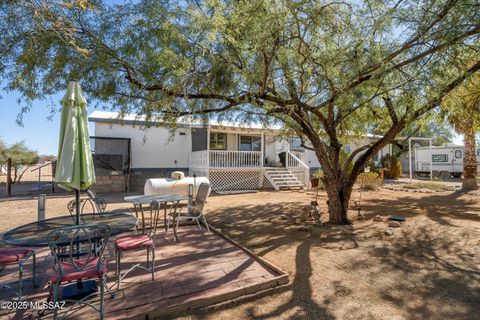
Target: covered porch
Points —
{"points": [[239, 158], [240, 147]]}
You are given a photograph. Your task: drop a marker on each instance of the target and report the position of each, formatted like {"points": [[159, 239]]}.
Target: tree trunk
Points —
{"points": [[338, 198], [469, 158], [15, 174]]}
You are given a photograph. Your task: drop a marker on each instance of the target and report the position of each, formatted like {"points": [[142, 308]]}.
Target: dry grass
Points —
{"points": [[427, 270], [430, 185]]}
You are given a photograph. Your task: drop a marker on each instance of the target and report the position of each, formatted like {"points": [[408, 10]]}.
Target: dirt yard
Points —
{"points": [[428, 269]]}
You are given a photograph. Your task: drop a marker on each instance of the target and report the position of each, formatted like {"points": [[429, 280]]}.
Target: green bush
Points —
{"points": [[369, 180], [392, 166], [372, 166], [319, 175]]}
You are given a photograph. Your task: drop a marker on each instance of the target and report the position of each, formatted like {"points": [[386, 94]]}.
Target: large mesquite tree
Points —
{"points": [[328, 70]]}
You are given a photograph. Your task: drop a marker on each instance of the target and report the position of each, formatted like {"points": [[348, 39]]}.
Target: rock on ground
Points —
{"points": [[394, 224], [389, 231]]}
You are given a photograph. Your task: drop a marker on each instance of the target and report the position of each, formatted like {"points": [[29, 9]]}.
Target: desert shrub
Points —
{"points": [[392, 166], [435, 186], [369, 180], [319, 175], [372, 166]]}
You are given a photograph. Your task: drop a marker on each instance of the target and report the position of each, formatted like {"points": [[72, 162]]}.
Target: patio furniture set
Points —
{"points": [[80, 267]]}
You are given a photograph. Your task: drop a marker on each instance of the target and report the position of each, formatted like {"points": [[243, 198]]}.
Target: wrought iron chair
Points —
{"points": [[195, 212], [139, 241], [82, 262], [9, 256], [96, 205], [91, 193]]}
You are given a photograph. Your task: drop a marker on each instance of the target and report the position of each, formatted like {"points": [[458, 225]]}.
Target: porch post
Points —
{"points": [[208, 147], [410, 158], [262, 160], [262, 157]]}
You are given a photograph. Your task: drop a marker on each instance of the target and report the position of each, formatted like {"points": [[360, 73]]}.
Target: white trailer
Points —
{"points": [[447, 160]]}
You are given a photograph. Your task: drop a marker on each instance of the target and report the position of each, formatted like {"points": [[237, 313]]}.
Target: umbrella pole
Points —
{"points": [[77, 206]]}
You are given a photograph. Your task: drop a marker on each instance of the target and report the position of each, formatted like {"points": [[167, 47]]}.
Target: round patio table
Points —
{"points": [[35, 234]]}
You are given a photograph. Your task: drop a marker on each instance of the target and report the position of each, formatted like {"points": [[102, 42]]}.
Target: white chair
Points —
{"points": [[195, 212]]}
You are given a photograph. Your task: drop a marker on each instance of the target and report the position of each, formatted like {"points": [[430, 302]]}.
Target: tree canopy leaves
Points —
{"points": [[328, 70]]}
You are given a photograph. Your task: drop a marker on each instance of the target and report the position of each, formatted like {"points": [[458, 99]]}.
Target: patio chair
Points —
{"points": [[195, 212], [82, 263], [92, 194], [97, 205], [9, 256], [139, 241]]}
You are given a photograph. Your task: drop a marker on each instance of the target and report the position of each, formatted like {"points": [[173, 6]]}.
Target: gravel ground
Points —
{"points": [[428, 269]]}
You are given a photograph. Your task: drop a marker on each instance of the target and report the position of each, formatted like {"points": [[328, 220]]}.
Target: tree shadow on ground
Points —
{"points": [[270, 227], [437, 277], [442, 208], [432, 260], [419, 273]]}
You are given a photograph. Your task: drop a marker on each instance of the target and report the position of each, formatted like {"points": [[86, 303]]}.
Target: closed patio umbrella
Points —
{"points": [[75, 169]]}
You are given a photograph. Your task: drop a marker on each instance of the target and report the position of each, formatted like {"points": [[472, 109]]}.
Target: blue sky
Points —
{"points": [[38, 131]]}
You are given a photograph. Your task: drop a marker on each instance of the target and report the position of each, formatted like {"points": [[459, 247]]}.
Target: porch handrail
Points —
{"points": [[292, 161], [299, 154]]}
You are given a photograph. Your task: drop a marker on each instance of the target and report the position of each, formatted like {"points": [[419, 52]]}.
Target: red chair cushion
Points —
{"points": [[88, 266], [135, 241], [10, 255]]}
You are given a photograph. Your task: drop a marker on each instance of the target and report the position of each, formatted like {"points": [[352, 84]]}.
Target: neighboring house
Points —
{"points": [[233, 156]]}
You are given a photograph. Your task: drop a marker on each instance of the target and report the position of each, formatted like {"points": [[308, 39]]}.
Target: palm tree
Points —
{"points": [[462, 108]]}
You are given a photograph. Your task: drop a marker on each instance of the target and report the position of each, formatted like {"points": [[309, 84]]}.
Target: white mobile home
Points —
{"points": [[233, 156], [446, 160]]}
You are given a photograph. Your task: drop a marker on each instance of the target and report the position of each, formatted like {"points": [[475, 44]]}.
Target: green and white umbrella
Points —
{"points": [[75, 170]]}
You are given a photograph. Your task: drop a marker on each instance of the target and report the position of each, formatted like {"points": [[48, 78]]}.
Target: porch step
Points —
{"points": [[282, 178]]}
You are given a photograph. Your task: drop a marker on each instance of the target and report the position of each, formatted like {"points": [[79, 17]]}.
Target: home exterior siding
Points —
{"points": [[156, 152], [152, 147]]}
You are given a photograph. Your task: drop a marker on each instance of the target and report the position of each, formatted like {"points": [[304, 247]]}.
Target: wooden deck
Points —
{"points": [[200, 270]]}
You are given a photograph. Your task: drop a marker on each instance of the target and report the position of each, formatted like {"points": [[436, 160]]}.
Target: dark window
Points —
{"points": [[295, 143], [218, 141], [458, 154], [250, 143], [439, 158], [478, 152]]}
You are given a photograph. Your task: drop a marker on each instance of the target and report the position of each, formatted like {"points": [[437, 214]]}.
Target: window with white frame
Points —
{"points": [[295, 143], [218, 141], [250, 143]]}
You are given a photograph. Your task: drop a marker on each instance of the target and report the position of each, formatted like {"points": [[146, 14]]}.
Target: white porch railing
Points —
{"points": [[199, 159], [294, 163], [299, 155], [236, 159], [226, 159]]}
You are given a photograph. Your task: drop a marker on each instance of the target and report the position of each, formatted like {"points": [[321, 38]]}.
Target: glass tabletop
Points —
{"points": [[35, 234], [143, 199]]}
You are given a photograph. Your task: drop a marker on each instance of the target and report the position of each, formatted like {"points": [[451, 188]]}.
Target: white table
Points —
{"points": [[139, 201]]}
